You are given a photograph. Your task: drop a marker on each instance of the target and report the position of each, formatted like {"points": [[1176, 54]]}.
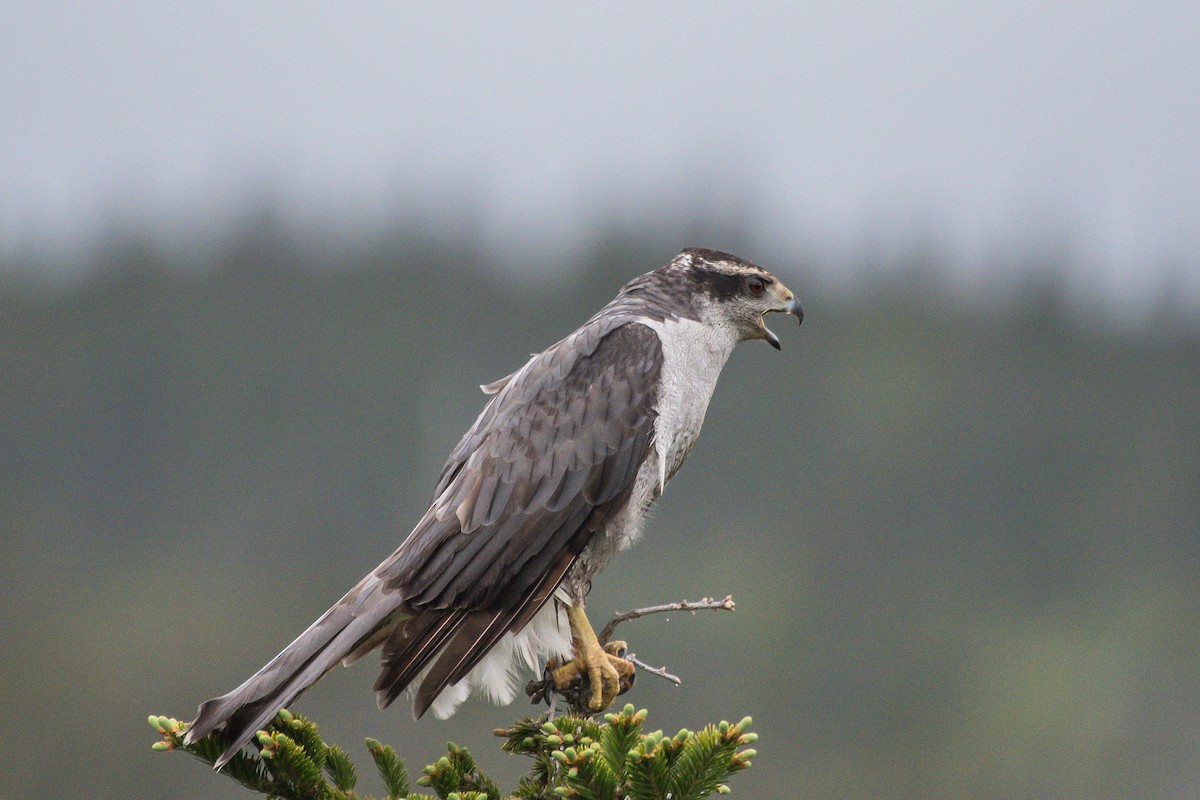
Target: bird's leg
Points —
{"points": [[606, 671]]}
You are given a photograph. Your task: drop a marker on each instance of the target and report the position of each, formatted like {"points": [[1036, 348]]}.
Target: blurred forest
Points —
{"points": [[962, 530]]}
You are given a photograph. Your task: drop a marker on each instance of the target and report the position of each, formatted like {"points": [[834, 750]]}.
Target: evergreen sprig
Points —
{"points": [[340, 769], [573, 757], [391, 769]]}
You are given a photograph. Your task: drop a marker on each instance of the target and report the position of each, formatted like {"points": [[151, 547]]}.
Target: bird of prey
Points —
{"points": [[553, 479]]}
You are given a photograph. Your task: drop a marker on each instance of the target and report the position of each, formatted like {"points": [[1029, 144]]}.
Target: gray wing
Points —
{"points": [[552, 457]]}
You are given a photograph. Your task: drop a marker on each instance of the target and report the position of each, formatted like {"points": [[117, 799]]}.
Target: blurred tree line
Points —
{"points": [[962, 531]]}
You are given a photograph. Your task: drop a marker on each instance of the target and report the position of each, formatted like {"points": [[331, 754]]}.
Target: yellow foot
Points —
{"points": [[596, 678], [599, 673]]}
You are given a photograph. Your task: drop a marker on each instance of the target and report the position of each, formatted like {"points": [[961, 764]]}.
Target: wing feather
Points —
{"points": [[481, 634], [541, 450], [552, 457], [410, 647]]}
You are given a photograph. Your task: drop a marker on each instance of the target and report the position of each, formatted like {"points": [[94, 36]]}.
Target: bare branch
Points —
{"points": [[659, 671], [692, 606], [547, 689]]}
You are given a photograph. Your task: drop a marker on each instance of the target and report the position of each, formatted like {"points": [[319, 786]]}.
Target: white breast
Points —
{"points": [[693, 355]]}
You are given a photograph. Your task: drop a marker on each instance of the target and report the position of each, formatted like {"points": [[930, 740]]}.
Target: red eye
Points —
{"points": [[756, 286]]}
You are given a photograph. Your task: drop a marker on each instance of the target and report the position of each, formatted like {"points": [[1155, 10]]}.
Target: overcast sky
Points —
{"points": [[823, 126]]}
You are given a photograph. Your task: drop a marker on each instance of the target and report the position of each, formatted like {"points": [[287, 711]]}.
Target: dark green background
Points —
{"points": [[961, 526]]}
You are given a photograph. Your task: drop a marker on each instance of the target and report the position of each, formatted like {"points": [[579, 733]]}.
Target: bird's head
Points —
{"points": [[733, 292]]}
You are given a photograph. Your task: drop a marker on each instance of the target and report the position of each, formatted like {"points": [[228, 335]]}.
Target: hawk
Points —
{"points": [[554, 478]]}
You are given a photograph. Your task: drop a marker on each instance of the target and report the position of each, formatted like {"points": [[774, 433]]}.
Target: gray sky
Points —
{"points": [[973, 127]]}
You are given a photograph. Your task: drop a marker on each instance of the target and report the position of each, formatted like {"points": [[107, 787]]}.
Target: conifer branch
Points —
{"points": [[574, 757]]}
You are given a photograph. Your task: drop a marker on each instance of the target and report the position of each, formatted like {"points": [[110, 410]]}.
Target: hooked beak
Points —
{"points": [[791, 306]]}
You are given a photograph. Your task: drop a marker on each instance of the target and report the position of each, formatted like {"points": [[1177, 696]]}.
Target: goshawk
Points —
{"points": [[553, 479]]}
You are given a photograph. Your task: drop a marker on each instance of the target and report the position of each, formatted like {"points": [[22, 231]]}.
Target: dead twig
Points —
{"points": [[659, 671], [545, 690], [693, 606]]}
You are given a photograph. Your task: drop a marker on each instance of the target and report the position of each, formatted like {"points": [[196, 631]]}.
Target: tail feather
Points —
{"points": [[337, 633], [454, 641]]}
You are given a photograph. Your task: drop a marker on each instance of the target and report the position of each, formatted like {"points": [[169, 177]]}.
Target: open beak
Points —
{"points": [[790, 306]]}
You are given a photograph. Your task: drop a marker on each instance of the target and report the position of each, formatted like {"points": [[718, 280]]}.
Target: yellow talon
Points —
{"points": [[608, 674]]}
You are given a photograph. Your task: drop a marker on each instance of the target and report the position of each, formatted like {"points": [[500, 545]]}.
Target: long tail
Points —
{"points": [[437, 647], [354, 625]]}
